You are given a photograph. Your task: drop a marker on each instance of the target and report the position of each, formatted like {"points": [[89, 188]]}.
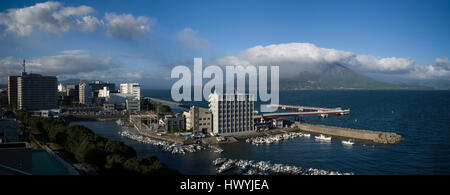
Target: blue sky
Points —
{"points": [[417, 30]]}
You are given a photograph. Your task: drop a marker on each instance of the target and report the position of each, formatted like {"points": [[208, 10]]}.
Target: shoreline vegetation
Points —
{"points": [[80, 144]]}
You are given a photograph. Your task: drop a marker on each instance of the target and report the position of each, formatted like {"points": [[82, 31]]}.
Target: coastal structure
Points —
{"points": [[232, 113], [368, 135], [131, 88], [86, 93]]}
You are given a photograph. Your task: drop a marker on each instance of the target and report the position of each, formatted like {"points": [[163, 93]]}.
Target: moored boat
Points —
{"points": [[348, 142], [322, 137]]}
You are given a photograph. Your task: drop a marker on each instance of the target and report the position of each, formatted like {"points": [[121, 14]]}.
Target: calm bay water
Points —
{"points": [[421, 117]]}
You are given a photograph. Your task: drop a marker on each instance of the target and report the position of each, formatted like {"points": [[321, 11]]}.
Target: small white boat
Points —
{"points": [[306, 135], [322, 137], [348, 142], [120, 122], [224, 168]]}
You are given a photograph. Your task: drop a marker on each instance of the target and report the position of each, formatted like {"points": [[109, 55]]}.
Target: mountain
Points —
{"points": [[336, 76], [75, 81]]}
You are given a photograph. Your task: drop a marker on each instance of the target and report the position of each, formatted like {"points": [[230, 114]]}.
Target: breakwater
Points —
{"points": [[368, 135]]}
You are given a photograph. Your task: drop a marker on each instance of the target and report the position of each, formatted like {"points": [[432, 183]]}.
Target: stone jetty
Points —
{"points": [[368, 135]]}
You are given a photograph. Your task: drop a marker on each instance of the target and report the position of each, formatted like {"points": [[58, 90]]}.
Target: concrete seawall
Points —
{"points": [[374, 136]]}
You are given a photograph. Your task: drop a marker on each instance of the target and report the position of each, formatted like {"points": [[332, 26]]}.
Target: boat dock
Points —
{"points": [[367, 135]]}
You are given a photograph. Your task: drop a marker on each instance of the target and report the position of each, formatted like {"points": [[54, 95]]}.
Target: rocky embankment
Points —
{"points": [[374, 136]]}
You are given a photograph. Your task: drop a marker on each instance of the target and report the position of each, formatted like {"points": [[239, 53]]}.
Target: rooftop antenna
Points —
{"points": [[23, 66]]}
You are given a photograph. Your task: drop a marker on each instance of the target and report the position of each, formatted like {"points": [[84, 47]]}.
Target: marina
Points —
{"points": [[275, 138], [250, 167], [173, 148]]}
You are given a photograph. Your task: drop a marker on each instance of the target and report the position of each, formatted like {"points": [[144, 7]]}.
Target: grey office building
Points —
{"points": [[232, 113], [37, 92]]}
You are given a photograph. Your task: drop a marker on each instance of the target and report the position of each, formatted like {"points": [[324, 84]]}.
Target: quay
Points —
{"points": [[303, 111], [367, 135], [166, 102]]}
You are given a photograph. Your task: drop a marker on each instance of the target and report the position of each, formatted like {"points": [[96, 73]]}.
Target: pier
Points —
{"points": [[304, 111], [166, 102], [367, 135]]}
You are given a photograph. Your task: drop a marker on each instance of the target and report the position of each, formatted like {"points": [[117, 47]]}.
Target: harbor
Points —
{"points": [[250, 167], [377, 137], [275, 138], [170, 147]]}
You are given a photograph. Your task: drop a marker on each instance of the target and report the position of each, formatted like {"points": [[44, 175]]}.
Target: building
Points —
{"points": [[173, 123], [9, 130], [52, 113], [232, 113], [131, 88], [133, 105], [86, 94], [104, 93], [124, 101], [73, 93], [187, 118], [12, 91], [108, 107], [37, 92], [16, 158], [61, 88], [97, 85], [199, 120]]}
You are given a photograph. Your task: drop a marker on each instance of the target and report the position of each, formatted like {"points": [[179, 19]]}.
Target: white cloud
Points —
{"points": [[67, 63], [126, 26], [56, 18], [294, 58], [392, 64], [49, 16], [443, 62]]}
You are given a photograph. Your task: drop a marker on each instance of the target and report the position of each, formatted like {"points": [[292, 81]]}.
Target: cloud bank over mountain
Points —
{"points": [[295, 58]]}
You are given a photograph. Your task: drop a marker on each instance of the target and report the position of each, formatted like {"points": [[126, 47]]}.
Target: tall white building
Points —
{"points": [[131, 88], [85, 93], [61, 88], [104, 92], [232, 113]]}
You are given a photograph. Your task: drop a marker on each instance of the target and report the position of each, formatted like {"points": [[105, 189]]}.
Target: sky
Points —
{"points": [[125, 41]]}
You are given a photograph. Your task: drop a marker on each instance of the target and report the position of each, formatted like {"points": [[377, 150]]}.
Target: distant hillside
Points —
{"points": [[74, 81], [338, 77]]}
